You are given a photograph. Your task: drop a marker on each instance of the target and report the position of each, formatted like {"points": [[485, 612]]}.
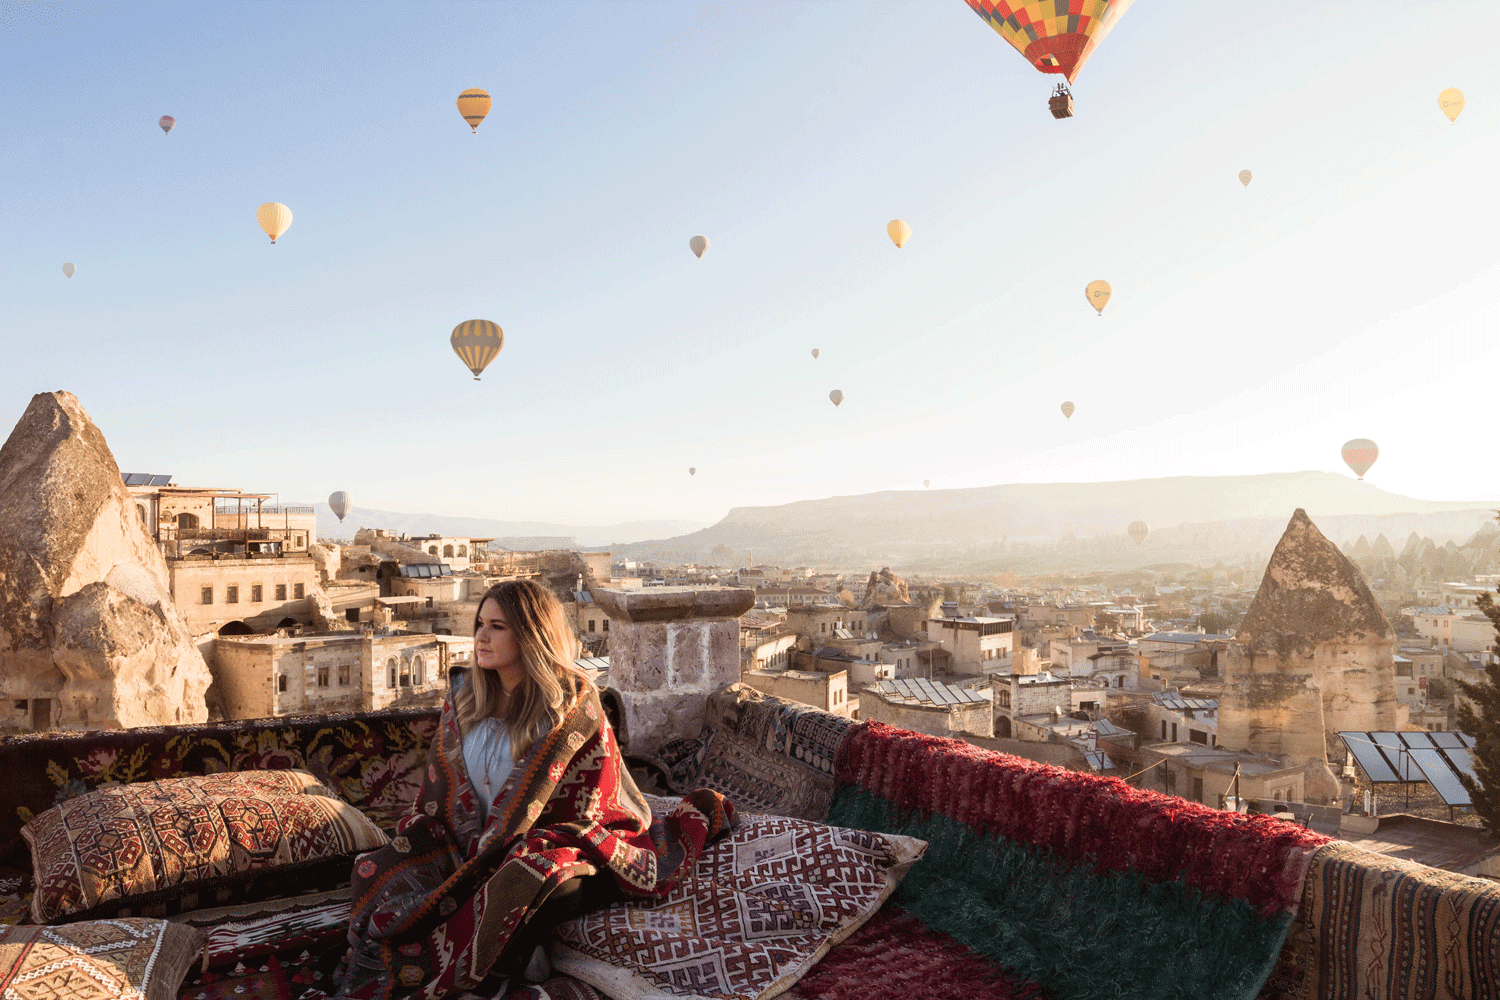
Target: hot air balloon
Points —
{"points": [[474, 104], [1245, 177], [1138, 530], [339, 503], [692, 471], [274, 217], [926, 483], [1067, 409], [477, 342], [1053, 44], [70, 269], [1452, 102], [1360, 454], [837, 396], [698, 244], [899, 232], [1097, 294], [815, 352], [167, 123]]}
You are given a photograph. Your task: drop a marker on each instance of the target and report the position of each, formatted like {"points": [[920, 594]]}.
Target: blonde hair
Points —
{"points": [[553, 682]]}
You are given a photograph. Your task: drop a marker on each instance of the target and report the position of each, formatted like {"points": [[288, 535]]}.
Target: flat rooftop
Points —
{"points": [[1427, 841]]}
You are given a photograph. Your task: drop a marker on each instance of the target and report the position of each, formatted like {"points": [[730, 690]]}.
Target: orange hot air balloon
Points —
{"points": [[1055, 36], [274, 218], [474, 104], [1245, 176], [1138, 530], [1098, 293], [1360, 454], [898, 231], [1067, 409], [1452, 103]]}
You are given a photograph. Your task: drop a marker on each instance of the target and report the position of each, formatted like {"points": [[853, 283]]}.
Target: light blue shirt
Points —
{"points": [[487, 757]]}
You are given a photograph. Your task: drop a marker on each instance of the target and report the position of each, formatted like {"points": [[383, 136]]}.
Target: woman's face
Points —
{"points": [[495, 644]]}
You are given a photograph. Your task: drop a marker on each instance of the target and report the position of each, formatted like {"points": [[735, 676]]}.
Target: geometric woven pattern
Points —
{"points": [[127, 841], [759, 781], [134, 959], [762, 906]]}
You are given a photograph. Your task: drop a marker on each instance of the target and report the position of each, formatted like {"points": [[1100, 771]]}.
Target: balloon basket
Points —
{"points": [[1061, 102]]}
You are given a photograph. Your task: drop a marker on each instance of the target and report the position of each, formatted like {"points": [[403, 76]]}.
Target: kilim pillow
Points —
{"points": [[131, 959], [761, 907], [162, 847]]}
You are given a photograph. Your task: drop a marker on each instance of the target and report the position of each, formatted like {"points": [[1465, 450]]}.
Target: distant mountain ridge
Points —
{"points": [[520, 532], [1218, 516]]}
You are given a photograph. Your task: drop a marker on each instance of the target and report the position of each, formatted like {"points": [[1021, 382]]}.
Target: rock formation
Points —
{"points": [[1314, 654], [89, 636], [884, 587]]}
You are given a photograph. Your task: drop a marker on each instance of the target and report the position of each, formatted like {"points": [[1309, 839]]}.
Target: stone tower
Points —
{"points": [[1314, 655]]}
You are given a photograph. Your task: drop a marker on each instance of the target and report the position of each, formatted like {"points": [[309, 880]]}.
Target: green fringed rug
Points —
{"points": [[1078, 934]]}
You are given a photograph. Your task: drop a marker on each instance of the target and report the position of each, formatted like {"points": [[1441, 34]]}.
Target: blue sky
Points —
{"points": [[1350, 291]]}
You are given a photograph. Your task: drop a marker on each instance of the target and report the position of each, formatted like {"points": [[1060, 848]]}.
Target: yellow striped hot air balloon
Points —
{"points": [[474, 104], [275, 218], [477, 342]]}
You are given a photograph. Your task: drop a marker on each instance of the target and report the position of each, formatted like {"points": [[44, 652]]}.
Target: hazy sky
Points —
{"points": [[1350, 291]]}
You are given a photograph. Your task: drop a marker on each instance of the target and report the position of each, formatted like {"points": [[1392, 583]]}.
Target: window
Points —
{"points": [[298, 542], [323, 676], [281, 683], [1163, 730], [432, 550], [257, 593], [406, 673], [343, 675], [591, 625], [1198, 736], [207, 595], [429, 602], [1403, 670], [232, 594], [281, 591], [390, 666], [1174, 732], [463, 550], [1004, 698], [298, 592], [606, 625], [447, 552], [419, 670], [1197, 786]]}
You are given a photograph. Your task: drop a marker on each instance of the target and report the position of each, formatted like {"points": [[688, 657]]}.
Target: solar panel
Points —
{"points": [[1447, 740], [136, 478], [1442, 778], [1463, 760], [1396, 755], [161, 481], [1468, 740], [1370, 759], [1416, 740]]}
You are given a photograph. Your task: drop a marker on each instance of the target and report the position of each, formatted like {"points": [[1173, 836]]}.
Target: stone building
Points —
{"points": [[828, 691], [262, 676], [930, 707], [977, 645], [1314, 655]]}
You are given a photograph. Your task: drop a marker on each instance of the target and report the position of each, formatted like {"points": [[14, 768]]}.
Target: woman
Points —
{"points": [[527, 816]]}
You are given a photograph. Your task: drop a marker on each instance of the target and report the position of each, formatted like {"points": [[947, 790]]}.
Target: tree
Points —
{"points": [[1484, 726]]}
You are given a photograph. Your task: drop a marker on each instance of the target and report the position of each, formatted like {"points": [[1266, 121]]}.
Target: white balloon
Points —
{"points": [[70, 269]]}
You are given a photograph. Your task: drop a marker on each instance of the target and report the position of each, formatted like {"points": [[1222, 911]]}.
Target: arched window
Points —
{"points": [[390, 667], [186, 520], [447, 552], [419, 670], [432, 550], [405, 672], [140, 509], [463, 550]]}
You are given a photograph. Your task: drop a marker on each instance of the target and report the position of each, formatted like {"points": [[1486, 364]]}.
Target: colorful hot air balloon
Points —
{"points": [[899, 232], [1452, 102], [815, 352], [339, 503], [477, 342], [1245, 177], [698, 244], [167, 123], [274, 217], [1097, 294], [474, 104], [692, 471], [1067, 409], [70, 269], [1054, 36], [1360, 454], [837, 396], [1138, 530]]}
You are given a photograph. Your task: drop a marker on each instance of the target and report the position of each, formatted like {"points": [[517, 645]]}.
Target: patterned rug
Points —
{"points": [[1091, 888], [1374, 927]]}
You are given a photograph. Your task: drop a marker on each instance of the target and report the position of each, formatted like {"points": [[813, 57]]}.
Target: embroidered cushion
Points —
{"points": [[134, 959], [180, 843], [762, 906]]}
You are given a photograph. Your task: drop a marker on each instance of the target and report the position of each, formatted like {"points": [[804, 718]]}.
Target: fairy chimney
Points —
{"points": [[89, 636], [1314, 655]]}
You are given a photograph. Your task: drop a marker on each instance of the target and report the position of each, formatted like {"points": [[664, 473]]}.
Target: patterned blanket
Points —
{"points": [[435, 908], [1083, 885]]}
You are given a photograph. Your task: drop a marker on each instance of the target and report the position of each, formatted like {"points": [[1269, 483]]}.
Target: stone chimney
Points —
{"points": [[669, 649], [1314, 655]]}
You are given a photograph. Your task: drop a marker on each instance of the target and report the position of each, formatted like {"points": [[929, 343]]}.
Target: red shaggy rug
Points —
{"points": [[895, 955]]}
